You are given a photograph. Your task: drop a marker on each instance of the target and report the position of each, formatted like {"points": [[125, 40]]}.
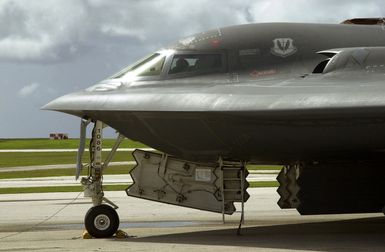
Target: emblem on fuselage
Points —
{"points": [[283, 47]]}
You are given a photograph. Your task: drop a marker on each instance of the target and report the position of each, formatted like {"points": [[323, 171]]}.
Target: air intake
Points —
{"points": [[365, 21]]}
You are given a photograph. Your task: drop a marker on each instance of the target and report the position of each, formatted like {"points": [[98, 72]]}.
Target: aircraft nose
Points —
{"points": [[58, 104], [70, 103], [77, 103]]}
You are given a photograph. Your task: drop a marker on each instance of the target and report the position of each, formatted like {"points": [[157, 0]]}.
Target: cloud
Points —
{"points": [[29, 90], [42, 31], [56, 31], [327, 11]]}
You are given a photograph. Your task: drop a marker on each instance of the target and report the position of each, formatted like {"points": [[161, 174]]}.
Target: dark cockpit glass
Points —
{"points": [[196, 63], [179, 64]]}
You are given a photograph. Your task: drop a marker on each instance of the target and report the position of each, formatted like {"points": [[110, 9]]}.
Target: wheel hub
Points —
{"points": [[102, 222]]}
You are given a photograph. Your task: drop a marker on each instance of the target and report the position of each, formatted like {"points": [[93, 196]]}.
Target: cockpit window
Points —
{"points": [[197, 63], [148, 66], [155, 68]]}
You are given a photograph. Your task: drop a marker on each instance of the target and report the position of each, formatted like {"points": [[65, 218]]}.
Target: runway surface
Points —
{"points": [[29, 223]]}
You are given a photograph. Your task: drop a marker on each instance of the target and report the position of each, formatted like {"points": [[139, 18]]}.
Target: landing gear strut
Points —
{"points": [[101, 220]]}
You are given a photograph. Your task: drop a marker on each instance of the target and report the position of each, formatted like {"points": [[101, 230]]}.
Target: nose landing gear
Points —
{"points": [[101, 220]]}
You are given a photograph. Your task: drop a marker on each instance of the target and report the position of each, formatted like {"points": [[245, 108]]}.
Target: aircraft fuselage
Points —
{"points": [[262, 104]]}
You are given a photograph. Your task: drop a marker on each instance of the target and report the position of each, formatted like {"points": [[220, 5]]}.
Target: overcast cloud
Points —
{"points": [[52, 47], [29, 89]]}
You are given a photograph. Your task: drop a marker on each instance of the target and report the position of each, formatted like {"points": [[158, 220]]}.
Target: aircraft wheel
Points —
{"points": [[101, 221]]}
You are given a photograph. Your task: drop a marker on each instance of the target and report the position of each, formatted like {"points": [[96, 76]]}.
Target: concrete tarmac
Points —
{"points": [[54, 222]]}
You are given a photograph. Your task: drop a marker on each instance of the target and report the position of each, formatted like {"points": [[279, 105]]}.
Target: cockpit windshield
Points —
{"points": [[149, 66], [172, 64], [198, 63]]}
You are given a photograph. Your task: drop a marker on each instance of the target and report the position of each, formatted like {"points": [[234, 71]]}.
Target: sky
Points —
{"points": [[52, 47]]}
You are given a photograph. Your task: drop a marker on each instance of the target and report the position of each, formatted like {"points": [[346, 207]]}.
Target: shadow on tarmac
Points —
{"points": [[349, 235]]}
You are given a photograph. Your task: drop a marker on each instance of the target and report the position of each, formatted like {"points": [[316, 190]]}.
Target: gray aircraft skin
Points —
{"points": [[259, 102], [310, 97]]}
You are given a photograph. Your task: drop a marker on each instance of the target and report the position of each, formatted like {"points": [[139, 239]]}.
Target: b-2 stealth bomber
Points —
{"points": [[309, 97]]}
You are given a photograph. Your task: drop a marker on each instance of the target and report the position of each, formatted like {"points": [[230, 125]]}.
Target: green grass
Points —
{"points": [[43, 143], [12, 159], [120, 169], [50, 189], [49, 158], [264, 167], [106, 188], [27, 159], [263, 184], [46, 158]]}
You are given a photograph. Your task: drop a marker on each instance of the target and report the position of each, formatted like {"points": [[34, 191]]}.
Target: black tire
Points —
{"points": [[101, 221]]}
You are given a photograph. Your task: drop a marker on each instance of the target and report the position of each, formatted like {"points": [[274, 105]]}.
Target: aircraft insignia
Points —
{"points": [[283, 47]]}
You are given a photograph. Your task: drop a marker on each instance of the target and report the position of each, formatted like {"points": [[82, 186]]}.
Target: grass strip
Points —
{"points": [[264, 167], [13, 159], [51, 189], [73, 143], [119, 169], [255, 184]]}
